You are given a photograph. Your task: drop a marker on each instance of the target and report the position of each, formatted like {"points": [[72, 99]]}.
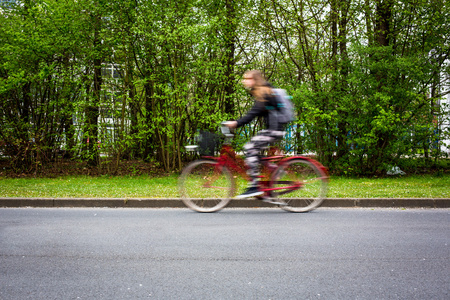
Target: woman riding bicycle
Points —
{"points": [[265, 106]]}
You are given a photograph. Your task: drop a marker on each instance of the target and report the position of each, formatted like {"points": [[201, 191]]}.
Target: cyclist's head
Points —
{"points": [[254, 78], [255, 81]]}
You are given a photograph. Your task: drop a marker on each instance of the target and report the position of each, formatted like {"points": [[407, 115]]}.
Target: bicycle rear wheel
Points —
{"points": [[303, 185], [205, 186]]}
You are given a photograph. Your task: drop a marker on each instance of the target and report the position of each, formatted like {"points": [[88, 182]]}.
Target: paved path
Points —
{"points": [[330, 253]]}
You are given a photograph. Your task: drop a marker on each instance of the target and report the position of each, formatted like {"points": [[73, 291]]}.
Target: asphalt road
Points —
{"points": [[104, 253]]}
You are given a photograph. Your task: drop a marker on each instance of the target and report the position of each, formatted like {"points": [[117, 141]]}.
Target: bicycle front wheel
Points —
{"points": [[206, 186], [301, 185]]}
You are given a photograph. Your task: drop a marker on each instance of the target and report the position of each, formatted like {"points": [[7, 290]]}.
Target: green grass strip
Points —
{"points": [[425, 186]]}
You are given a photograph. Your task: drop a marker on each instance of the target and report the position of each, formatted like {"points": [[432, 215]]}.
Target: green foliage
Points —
{"points": [[106, 81]]}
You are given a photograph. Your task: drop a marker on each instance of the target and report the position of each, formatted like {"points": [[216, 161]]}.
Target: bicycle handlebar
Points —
{"points": [[226, 130]]}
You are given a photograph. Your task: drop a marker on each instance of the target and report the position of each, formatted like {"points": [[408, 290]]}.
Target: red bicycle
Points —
{"points": [[294, 183]]}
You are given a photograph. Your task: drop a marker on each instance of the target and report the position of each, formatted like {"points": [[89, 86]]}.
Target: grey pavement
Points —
{"points": [[243, 203], [239, 253]]}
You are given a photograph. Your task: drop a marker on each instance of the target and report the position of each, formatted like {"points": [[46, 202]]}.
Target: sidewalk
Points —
{"points": [[176, 202]]}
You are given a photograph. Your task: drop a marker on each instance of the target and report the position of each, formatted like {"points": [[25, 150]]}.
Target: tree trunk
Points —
{"points": [[382, 37], [230, 39], [93, 108]]}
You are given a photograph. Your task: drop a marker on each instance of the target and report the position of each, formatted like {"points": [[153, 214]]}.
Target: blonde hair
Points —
{"points": [[261, 87]]}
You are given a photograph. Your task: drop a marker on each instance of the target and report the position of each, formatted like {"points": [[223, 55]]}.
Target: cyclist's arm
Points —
{"points": [[258, 109]]}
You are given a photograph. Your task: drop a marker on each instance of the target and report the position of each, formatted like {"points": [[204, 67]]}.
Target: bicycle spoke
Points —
{"points": [[204, 187], [300, 184]]}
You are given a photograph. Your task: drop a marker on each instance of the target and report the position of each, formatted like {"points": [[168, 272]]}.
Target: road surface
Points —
{"points": [[104, 253]]}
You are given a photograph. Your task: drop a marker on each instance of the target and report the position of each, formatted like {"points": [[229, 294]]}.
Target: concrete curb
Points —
{"points": [[176, 202]]}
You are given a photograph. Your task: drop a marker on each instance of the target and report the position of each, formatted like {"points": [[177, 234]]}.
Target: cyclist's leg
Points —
{"points": [[252, 150]]}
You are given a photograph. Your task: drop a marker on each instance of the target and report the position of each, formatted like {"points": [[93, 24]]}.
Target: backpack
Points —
{"points": [[285, 107]]}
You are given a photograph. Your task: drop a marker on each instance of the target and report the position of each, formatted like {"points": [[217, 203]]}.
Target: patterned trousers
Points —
{"points": [[252, 150]]}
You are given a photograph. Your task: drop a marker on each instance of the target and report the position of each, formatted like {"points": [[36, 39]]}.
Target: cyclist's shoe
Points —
{"points": [[250, 192], [273, 201]]}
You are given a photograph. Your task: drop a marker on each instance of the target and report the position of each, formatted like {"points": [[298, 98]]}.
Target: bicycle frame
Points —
{"points": [[229, 159]]}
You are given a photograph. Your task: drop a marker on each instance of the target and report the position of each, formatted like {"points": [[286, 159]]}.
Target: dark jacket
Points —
{"points": [[267, 110]]}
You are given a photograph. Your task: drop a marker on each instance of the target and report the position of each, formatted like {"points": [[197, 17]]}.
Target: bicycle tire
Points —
{"points": [[206, 187], [310, 178]]}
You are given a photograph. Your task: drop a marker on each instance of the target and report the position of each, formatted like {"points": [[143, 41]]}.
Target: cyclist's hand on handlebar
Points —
{"points": [[230, 124]]}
